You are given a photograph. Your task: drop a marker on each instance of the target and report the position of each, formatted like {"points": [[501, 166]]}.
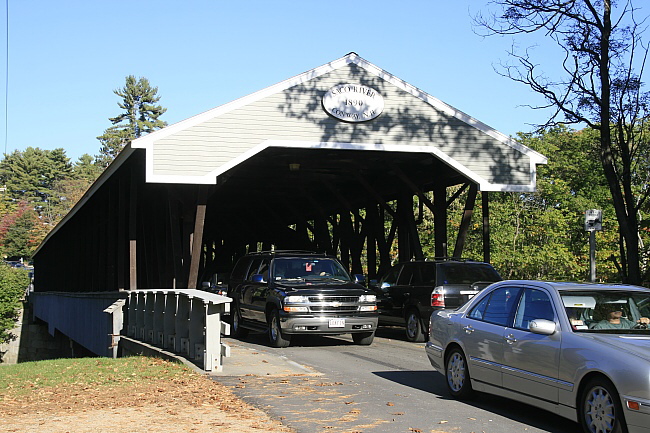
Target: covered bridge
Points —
{"points": [[329, 160]]}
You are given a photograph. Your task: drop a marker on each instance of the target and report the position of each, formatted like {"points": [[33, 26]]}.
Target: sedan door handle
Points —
{"points": [[511, 339], [468, 329]]}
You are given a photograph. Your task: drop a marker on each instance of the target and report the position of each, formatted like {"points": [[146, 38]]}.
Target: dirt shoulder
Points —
{"points": [[192, 404]]}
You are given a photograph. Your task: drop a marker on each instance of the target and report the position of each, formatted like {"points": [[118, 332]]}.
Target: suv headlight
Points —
{"points": [[296, 299], [368, 298]]}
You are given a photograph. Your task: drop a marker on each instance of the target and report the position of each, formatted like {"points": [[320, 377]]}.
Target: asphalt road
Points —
{"points": [[328, 384]]}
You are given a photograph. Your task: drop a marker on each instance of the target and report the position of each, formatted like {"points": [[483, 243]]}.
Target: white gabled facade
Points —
{"points": [[290, 114]]}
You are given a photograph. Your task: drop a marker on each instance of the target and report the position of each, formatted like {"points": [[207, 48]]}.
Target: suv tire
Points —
{"points": [[236, 320], [363, 338], [414, 327], [276, 337]]}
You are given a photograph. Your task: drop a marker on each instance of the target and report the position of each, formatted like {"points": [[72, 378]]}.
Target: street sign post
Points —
{"points": [[593, 223]]}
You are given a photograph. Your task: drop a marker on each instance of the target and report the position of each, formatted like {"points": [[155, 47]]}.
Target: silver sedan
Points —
{"points": [[579, 350]]}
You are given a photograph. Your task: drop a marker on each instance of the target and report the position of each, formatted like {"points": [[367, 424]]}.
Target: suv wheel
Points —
{"points": [[363, 338], [276, 337], [237, 331], [414, 328]]}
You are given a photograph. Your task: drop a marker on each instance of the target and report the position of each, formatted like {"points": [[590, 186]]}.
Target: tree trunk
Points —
{"points": [[625, 213]]}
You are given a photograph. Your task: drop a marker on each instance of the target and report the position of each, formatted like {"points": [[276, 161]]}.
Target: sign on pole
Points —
{"points": [[593, 220]]}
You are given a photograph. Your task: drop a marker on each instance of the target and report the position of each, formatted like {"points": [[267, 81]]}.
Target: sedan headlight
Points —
{"points": [[368, 298]]}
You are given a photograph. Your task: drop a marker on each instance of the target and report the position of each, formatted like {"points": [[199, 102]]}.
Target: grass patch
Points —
{"points": [[88, 372]]}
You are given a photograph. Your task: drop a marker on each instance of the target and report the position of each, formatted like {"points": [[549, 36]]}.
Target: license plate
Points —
{"points": [[337, 323]]}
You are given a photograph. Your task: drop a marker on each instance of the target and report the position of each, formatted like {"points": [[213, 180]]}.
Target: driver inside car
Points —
{"points": [[615, 320]]}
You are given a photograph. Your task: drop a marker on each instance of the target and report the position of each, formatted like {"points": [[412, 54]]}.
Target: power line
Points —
{"points": [[7, 80]]}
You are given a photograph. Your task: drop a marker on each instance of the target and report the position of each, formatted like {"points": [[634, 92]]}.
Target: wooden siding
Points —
{"points": [[296, 114]]}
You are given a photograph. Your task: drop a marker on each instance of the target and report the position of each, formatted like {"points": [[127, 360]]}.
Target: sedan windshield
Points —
{"points": [[607, 311], [308, 269]]}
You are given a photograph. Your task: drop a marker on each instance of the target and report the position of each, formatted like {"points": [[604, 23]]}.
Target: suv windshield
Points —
{"points": [[308, 269], [462, 273], [607, 311]]}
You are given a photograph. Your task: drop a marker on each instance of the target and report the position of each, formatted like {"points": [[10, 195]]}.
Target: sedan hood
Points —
{"points": [[638, 345]]}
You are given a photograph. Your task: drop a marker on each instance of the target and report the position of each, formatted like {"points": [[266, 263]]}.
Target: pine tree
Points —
{"points": [[141, 116], [32, 174]]}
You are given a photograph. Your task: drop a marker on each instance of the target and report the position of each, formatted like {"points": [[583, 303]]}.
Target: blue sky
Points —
{"points": [[67, 57]]}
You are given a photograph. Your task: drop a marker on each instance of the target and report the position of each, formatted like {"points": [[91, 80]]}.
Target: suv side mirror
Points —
{"points": [[359, 278], [205, 285], [258, 278]]}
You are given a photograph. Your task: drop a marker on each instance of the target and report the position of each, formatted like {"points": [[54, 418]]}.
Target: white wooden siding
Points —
{"points": [[296, 114]]}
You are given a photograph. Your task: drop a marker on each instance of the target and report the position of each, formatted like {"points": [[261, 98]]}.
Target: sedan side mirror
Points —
{"points": [[542, 326]]}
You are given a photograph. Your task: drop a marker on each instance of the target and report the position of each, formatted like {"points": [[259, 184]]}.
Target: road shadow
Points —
{"points": [[434, 383], [391, 332], [424, 380], [262, 339]]}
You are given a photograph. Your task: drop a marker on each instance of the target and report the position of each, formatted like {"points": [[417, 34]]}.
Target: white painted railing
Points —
{"points": [[187, 322]]}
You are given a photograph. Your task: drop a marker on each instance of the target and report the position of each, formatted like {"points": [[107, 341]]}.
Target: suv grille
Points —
{"points": [[329, 309], [318, 299], [333, 304]]}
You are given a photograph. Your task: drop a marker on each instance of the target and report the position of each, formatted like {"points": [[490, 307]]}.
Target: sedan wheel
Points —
{"points": [[601, 410], [458, 381]]}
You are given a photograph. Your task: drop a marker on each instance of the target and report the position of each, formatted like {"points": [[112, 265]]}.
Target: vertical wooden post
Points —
{"points": [[440, 219], [197, 238], [465, 222], [112, 240], [345, 227], [486, 226], [371, 242], [120, 259], [404, 207], [174, 228], [133, 203]]}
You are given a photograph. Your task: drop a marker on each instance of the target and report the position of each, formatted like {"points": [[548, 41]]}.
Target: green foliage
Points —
{"points": [[20, 239], [608, 96], [541, 235], [70, 189], [13, 283], [41, 187], [31, 174], [86, 168], [112, 142], [141, 116]]}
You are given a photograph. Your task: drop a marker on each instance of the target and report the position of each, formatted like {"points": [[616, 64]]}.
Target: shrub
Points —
{"points": [[13, 283]]}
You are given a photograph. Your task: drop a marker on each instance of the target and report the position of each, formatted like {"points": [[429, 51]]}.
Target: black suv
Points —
{"points": [[409, 292], [293, 292]]}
